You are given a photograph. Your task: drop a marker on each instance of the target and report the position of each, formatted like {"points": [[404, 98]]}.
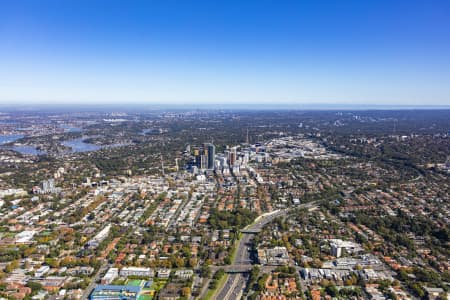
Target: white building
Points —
{"points": [[41, 271], [277, 256], [48, 187], [109, 277], [99, 237], [163, 273], [135, 271], [350, 247], [184, 274], [25, 237], [15, 192]]}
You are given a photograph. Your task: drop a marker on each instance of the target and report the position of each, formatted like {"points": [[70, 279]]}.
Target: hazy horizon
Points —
{"points": [[132, 107]]}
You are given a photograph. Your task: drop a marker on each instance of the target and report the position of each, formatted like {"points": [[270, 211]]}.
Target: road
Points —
{"points": [[233, 288], [235, 283], [237, 288], [204, 288], [87, 291]]}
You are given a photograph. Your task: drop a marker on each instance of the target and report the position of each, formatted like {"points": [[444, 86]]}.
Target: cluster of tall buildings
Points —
{"points": [[47, 187], [205, 156], [231, 160], [231, 155]]}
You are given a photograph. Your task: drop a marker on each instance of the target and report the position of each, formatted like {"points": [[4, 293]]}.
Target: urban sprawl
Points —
{"points": [[224, 205]]}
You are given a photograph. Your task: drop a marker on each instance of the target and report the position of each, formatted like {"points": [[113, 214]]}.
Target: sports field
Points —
{"points": [[136, 282]]}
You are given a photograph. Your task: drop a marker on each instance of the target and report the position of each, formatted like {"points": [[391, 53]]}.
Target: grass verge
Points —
{"points": [[212, 292]]}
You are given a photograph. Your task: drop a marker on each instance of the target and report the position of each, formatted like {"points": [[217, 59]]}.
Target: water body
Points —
{"points": [[78, 145], [145, 131], [4, 139], [22, 149]]}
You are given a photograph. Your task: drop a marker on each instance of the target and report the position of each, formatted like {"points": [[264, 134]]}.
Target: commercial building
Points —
{"points": [[338, 245], [41, 271], [277, 256], [112, 274], [113, 292], [204, 157], [163, 273], [135, 271], [210, 151], [99, 237], [184, 274], [232, 156], [25, 237], [48, 187]]}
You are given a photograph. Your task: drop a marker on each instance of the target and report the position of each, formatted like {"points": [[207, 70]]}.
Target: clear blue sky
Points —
{"points": [[338, 52]]}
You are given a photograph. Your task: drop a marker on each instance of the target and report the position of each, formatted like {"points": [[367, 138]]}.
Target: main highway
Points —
{"points": [[235, 284]]}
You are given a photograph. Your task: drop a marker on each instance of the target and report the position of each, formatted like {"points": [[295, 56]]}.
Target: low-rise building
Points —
{"points": [[136, 271], [122, 292], [41, 271], [112, 274], [184, 274], [163, 273], [277, 256]]}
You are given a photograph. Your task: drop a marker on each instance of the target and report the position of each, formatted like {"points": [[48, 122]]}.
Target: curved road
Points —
{"points": [[235, 283]]}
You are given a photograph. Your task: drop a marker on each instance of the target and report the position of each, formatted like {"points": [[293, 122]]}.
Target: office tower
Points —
{"points": [[197, 158], [203, 162], [210, 151], [48, 185], [233, 156]]}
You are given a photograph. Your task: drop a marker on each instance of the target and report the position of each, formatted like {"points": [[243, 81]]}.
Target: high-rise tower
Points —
{"points": [[210, 151]]}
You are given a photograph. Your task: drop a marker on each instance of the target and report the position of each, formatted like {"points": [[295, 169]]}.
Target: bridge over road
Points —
{"points": [[234, 269], [233, 285], [251, 231]]}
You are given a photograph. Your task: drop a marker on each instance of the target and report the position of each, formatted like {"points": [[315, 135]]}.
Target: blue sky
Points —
{"points": [[383, 52]]}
